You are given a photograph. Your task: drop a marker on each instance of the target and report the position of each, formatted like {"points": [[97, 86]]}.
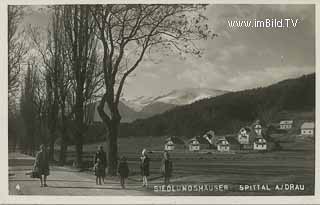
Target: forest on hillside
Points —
{"points": [[227, 113]]}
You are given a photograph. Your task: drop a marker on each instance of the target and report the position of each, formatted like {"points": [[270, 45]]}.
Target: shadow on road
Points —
{"points": [[52, 180], [86, 187]]}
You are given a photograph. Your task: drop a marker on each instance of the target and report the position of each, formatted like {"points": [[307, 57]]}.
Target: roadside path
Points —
{"points": [[64, 181]]}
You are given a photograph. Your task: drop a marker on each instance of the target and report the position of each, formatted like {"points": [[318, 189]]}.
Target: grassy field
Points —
{"points": [[293, 165]]}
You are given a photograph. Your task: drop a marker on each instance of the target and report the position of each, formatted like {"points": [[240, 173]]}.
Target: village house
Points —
{"points": [[211, 138], [260, 143], [286, 124], [252, 138], [169, 145], [194, 145], [244, 138], [223, 145], [307, 128], [257, 128]]}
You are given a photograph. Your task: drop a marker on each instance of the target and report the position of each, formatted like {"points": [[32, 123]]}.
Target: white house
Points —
{"points": [[307, 128], [223, 145], [260, 144], [243, 136], [194, 145], [169, 145], [286, 124], [258, 129]]}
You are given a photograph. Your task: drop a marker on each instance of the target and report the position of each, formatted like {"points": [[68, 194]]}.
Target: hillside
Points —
{"points": [[144, 107], [228, 112]]}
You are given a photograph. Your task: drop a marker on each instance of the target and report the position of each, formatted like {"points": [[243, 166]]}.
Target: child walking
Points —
{"points": [[123, 170], [98, 169], [144, 167]]}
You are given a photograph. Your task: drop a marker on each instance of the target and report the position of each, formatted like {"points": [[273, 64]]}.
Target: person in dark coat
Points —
{"points": [[41, 165], [102, 156], [98, 171], [166, 167], [144, 167], [123, 170]]}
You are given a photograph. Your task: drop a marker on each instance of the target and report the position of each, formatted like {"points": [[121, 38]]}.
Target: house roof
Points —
{"points": [[175, 140], [247, 129], [223, 139], [232, 140], [258, 141], [307, 125], [286, 122], [192, 139], [202, 140], [210, 133]]}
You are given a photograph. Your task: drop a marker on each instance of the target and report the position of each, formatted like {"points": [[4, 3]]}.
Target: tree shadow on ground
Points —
{"points": [[86, 187]]}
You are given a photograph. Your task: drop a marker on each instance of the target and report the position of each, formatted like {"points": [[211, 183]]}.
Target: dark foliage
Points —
{"points": [[227, 113]]}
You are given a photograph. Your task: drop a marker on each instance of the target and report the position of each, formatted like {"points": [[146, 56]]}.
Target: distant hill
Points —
{"points": [[226, 113], [144, 107], [156, 108], [176, 97]]}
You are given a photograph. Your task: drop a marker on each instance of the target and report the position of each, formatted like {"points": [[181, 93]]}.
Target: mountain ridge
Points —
{"points": [[143, 107], [226, 113]]}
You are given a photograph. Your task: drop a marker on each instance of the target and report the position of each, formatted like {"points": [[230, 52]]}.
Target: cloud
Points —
{"points": [[236, 59], [265, 77]]}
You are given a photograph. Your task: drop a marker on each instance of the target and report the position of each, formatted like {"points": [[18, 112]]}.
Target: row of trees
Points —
{"points": [[86, 54]]}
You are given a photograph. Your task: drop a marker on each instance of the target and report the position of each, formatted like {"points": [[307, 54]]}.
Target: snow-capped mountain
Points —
{"points": [[159, 104], [188, 95], [144, 107], [138, 103]]}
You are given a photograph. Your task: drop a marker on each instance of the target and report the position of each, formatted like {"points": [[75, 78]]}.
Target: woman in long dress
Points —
{"points": [[41, 165], [102, 156]]}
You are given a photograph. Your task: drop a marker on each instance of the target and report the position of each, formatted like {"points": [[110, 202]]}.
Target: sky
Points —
{"points": [[237, 59]]}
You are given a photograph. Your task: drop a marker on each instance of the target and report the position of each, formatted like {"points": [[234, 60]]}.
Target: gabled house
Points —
{"points": [[260, 143], [247, 136], [194, 145], [244, 138], [257, 128], [211, 138], [307, 128], [286, 124], [223, 145], [169, 145]]}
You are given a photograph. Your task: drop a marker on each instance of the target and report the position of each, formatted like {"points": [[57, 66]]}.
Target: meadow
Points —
{"points": [[294, 164]]}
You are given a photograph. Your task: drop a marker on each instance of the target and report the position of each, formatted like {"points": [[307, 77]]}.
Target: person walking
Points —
{"points": [[144, 167], [166, 167], [41, 165], [102, 156], [123, 170], [98, 171]]}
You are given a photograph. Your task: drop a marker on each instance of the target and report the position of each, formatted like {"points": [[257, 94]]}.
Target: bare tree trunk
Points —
{"points": [[79, 148], [63, 150], [113, 147], [79, 128], [63, 145], [51, 149]]}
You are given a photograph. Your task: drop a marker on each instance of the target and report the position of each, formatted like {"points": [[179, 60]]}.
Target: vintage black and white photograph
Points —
{"points": [[161, 99]]}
